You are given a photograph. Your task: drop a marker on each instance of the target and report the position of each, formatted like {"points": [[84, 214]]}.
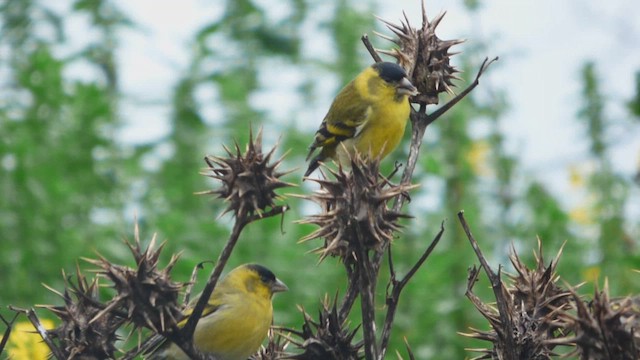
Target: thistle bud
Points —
{"points": [[424, 56], [248, 180], [354, 205]]}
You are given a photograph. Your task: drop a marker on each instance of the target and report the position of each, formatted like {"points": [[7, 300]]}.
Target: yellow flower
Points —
{"points": [[581, 215], [26, 344], [477, 157], [576, 179], [591, 274]]}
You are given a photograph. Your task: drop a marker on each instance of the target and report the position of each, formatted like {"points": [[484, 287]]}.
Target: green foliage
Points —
{"points": [[57, 175]]}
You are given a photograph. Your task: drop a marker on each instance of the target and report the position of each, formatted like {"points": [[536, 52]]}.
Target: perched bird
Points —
{"points": [[236, 319], [368, 115]]}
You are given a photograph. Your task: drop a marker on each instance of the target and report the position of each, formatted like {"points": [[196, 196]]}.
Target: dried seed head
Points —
{"points": [[425, 57], [536, 291], [275, 349], [604, 328], [533, 301], [146, 295], [86, 330], [354, 206], [326, 338], [248, 180]]}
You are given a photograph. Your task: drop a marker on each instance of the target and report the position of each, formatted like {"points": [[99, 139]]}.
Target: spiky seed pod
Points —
{"points": [[327, 338], [354, 205], [276, 348], [603, 328], [534, 301], [147, 295], [249, 179], [86, 331], [425, 57]]}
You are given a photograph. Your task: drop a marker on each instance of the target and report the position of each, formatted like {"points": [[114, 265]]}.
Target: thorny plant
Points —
{"points": [[358, 227], [145, 295], [361, 208], [534, 315]]}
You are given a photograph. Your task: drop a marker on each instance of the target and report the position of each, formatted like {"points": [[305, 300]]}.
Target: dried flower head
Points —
{"points": [[354, 206], [147, 295], [249, 179], [604, 328], [424, 56], [533, 301], [328, 338], [275, 349], [85, 331]]}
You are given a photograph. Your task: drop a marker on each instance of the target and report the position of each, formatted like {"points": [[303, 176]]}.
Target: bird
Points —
{"points": [[236, 319], [368, 115]]}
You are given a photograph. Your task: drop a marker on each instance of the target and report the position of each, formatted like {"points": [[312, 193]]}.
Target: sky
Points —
{"points": [[542, 46]]}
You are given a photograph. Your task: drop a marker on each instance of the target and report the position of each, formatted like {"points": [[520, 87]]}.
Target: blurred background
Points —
{"points": [[107, 109]]}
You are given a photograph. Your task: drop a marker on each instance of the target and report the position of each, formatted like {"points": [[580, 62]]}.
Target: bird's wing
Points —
{"points": [[208, 310], [346, 118]]}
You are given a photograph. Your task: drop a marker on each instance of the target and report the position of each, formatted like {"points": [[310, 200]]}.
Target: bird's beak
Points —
{"points": [[405, 87], [278, 286]]}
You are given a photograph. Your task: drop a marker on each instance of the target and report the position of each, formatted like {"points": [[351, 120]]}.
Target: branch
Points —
{"points": [[496, 285], [186, 334], [350, 296], [419, 122], [7, 332], [366, 280], [370, 48], [398, 286], [444, 108], [187, 294], [31, 315]]}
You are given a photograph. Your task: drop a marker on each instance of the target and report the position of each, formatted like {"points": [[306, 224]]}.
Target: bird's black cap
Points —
{"points": [[389, 72], [265, 274]]}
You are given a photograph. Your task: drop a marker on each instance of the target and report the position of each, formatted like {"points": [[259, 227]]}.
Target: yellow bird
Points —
{"points": [[369, 115], [237, 318]]}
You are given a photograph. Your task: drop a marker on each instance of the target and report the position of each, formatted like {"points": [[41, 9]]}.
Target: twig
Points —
{"points": [[366, 280], [350, 296], [367, 43], [398, 286], [417, 133], [7, 332], [186, 334], [276, 210], [192, 281], [31, 315], [444, 108], [496, 285]]}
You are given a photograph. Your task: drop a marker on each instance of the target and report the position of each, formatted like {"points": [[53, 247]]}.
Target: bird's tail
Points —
{"points": [[313, 165]]}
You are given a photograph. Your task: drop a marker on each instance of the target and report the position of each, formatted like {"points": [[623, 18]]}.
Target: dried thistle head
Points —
{"points": [[86, 331], [354, 206], [327, 338], [425, 57], [534, 301], [275, 349], [536, 291], [146, 295], [248, 180], [604, 328]]}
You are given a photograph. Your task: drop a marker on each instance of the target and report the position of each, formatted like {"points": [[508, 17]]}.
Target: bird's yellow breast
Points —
{"points": [[386, 119], [234, 331]]}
